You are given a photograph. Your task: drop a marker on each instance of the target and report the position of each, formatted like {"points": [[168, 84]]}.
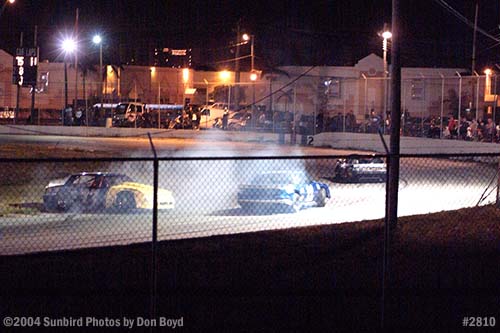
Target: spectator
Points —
{"points": [[196, 119], [375, 122], [319, 122], [339, 122], [462, 130], [185, 120], [472, 130], [80, 117], [225, 119], [480, 130], [387, 126], [95, 116], [446, 132], [350, 121], [261, 120], [68, 116], [452, 127], [146, 120], [489, 130]]}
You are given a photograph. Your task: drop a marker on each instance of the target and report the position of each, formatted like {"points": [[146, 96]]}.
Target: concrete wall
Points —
{"points": [[354, 141], [137, 132], [408, 145]]}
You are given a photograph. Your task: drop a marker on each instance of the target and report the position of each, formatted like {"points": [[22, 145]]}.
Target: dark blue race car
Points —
{"points": [[290, 189]]}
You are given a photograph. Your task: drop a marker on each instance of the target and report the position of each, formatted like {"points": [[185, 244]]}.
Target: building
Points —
{"points": [[300, 90]]}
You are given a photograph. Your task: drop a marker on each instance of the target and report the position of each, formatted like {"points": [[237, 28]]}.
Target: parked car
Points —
{"points": [[361, 169], [96, 190], [239, 121], [211, 115], [290, 189]]}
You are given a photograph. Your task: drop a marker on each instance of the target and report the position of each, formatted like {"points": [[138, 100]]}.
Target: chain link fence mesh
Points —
{"points": [[52, 205], [309, 103]]}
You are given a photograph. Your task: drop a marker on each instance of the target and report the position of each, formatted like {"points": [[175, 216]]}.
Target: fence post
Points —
{"points": [[154, 237], [393, 167], [442, 106], [497, 203], [459, 99], [385, 253]]}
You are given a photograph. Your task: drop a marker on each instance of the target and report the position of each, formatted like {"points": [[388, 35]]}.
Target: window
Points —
{"points": [[417, 89], [332, 87]]}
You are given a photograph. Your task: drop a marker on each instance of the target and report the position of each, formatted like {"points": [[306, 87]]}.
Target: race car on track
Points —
{"points": [[361, 169], [96, 191], [290, 189]]}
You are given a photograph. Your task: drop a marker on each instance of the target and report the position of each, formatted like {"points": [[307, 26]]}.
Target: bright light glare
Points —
{"points": [[12, 1], [185, 75], [224, 75], [97, 39], [487, 71], [253, 76], [386, 34], [69, 45], [246, 37]]}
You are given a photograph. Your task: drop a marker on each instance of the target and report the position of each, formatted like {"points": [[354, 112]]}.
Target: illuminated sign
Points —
{"points": [[178, 52], [25, 67]]}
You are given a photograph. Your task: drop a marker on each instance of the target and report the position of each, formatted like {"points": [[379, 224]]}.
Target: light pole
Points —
{"points": [[206, 93], [253, 74], [386, 34], [68, 46], [246, 38], [98, 41]]}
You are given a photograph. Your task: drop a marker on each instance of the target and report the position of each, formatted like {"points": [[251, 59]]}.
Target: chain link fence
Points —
{"points": [[308, 102], [93, 205], [64, 204]]}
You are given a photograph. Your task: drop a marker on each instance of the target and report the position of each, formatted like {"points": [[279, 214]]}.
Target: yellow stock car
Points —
{"points": [[99, 191]]}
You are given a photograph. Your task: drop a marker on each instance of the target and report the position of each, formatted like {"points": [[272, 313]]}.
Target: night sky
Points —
{"points": [[286, 32]]}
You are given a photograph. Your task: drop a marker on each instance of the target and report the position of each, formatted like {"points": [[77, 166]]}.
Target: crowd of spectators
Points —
{"points": [[432, 127]]}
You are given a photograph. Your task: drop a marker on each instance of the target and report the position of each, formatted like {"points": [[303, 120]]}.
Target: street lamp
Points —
{"points": [[68, 46], [4, 4], [386, 34], [246, 38], [98, 41]]}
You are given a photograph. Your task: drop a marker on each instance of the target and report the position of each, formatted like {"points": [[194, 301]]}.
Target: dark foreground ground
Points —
{"points": [[443, 267]]}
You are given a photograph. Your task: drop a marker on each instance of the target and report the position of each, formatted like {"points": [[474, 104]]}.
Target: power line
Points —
{"points": [[465, 20]]}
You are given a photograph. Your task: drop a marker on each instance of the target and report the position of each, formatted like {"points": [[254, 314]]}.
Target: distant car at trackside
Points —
{"points": [[359, 169], [211, 115]]}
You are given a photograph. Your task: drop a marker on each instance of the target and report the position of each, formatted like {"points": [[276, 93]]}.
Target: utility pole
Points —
{"points": [[75, 106], [391, 213], [33, 86], [237, 68], [474, 40], [18, 87]]}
